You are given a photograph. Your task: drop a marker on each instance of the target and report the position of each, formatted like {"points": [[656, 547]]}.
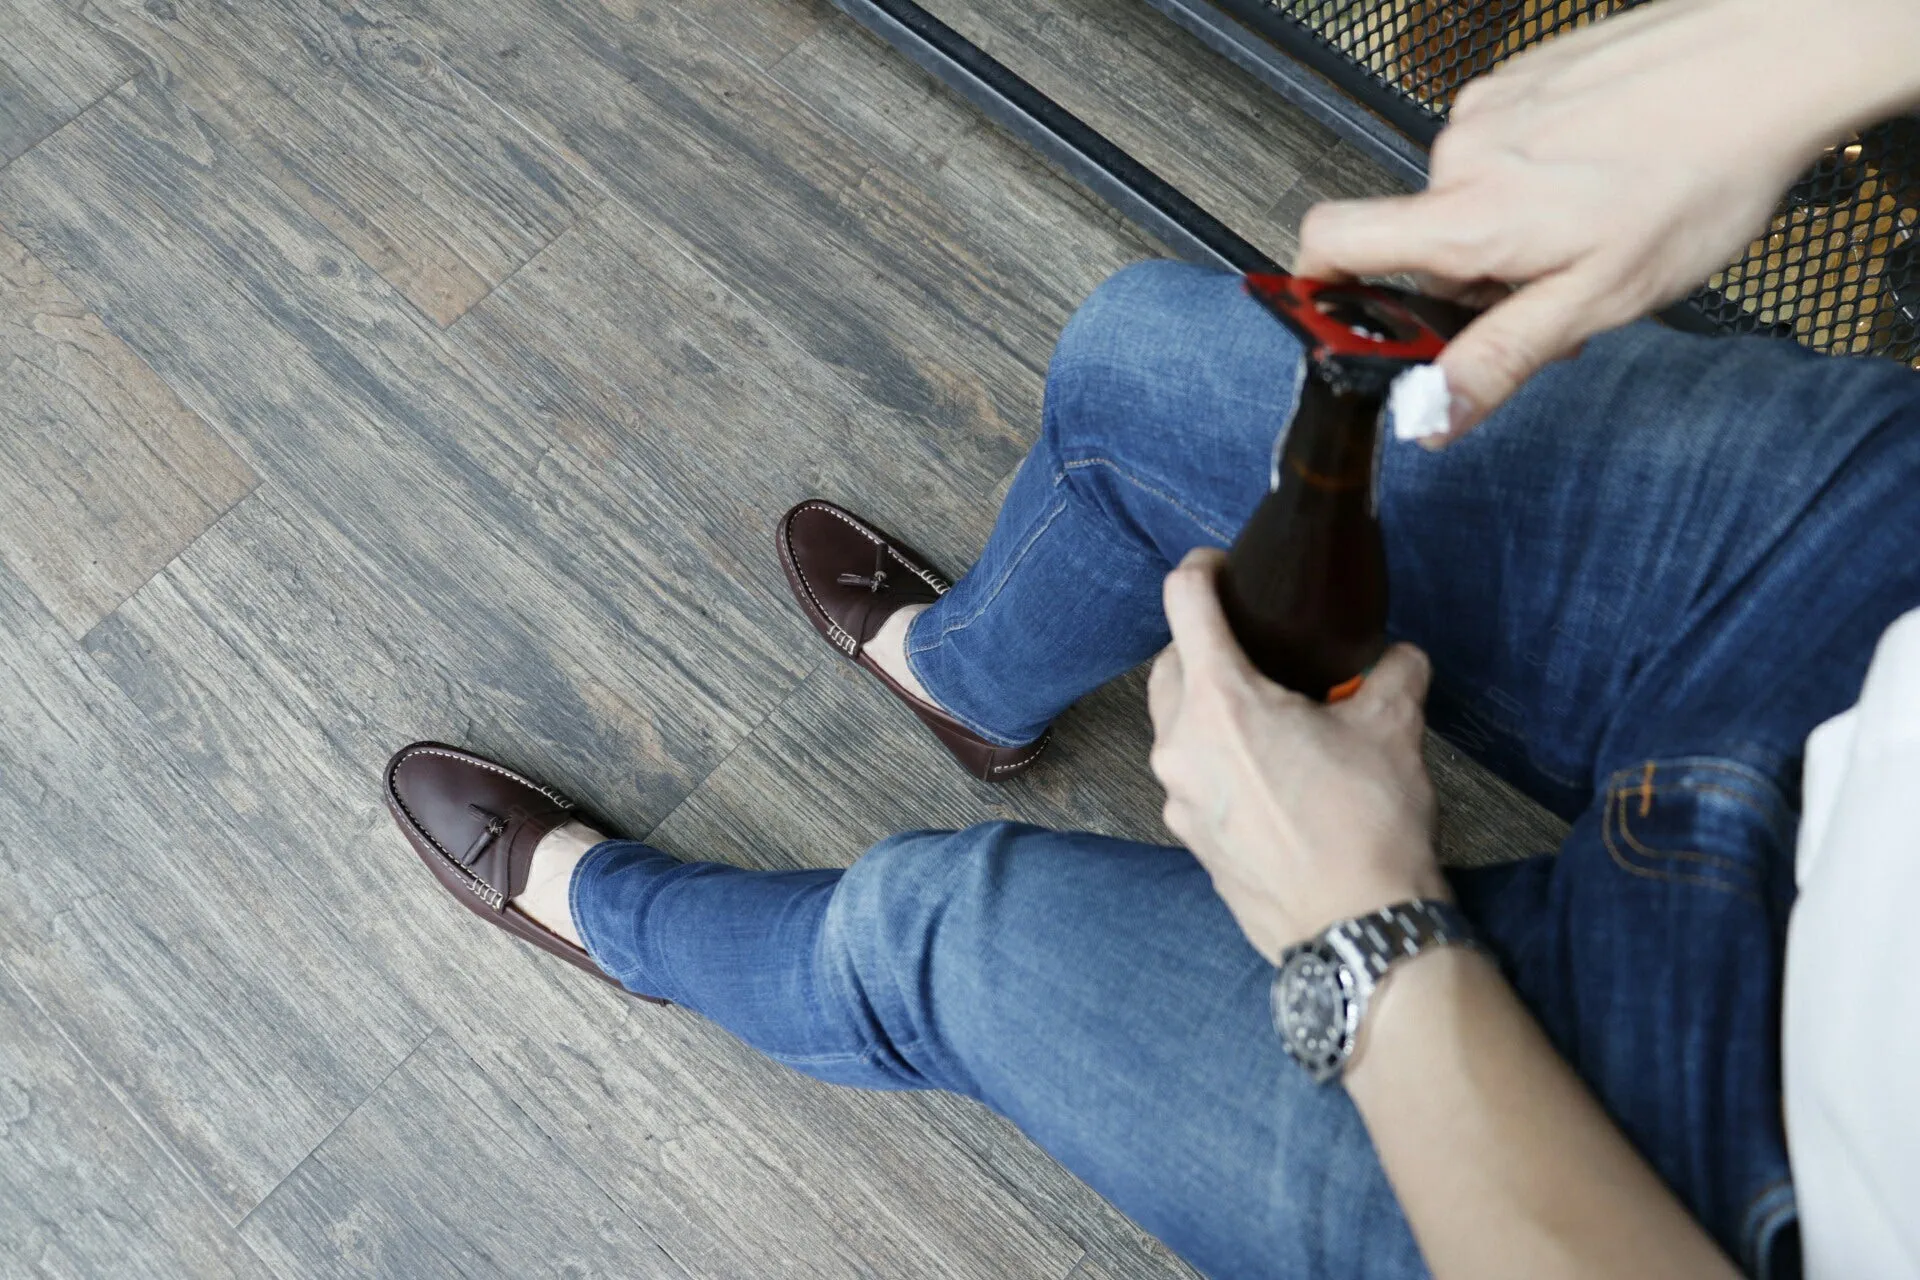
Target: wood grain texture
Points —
{"points": [[104, 475], [84, 1189], [759, 31], [543, 531], [301, 639], [612, 633], [752, 1168], [1115, 1246], [841, 765], [981, 175], [1343, 173], [871, 275], [1182, 110], [643, 369], [1098, 1268], [51, 69], [430, 183], [164, 940], [730, 1161], [441, 1173]]}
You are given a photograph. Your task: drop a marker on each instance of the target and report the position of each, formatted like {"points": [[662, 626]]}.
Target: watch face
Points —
{"points": [[1310, 1008]]}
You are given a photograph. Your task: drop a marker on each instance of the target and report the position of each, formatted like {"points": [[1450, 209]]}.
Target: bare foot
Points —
{"points": [[547, 897], [888, 649]]}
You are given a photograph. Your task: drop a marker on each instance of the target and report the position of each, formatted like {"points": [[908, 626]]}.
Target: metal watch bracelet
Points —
{"points": [[1323, 987]]}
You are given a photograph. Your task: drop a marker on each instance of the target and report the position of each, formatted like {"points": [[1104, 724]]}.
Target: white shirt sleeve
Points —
{"points": [[1851, 1025]]}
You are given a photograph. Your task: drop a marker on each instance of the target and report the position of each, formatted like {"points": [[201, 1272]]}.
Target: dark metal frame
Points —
{"points": [[1137, 192], [1281, 53], [1296, 63], [1059, 135]]}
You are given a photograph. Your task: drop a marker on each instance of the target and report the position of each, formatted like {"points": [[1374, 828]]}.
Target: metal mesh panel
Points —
{"points": [[1840, 267]]}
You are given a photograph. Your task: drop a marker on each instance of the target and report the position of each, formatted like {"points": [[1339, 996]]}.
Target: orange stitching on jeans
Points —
{"points": [[1619, 860], [1646, 790], [1696, 788], [1684, 855], [1697, 764]]}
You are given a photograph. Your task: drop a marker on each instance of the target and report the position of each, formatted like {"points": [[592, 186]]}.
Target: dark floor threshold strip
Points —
{"points": [[1295, 63], [1057, 134], [1142, 196]]}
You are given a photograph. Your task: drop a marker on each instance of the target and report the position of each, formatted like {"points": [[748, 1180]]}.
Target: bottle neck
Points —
{"points": [[1330, 445]]}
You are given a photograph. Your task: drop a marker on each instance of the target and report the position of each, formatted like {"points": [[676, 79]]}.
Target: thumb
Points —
{"points": [[1199, 625], [1490, 358]]}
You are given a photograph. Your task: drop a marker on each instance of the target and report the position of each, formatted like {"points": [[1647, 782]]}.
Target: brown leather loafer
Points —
{"points": [[849, 578], [475, 824]]}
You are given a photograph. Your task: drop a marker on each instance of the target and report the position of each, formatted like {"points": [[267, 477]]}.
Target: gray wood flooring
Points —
{"points": [[383, 369]]}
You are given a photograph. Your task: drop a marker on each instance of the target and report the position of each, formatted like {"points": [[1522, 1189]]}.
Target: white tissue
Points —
{"points": [[1417, 402]]}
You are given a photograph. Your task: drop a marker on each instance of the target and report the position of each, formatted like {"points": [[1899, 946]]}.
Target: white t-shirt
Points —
{"points": [[1851, 1035]]}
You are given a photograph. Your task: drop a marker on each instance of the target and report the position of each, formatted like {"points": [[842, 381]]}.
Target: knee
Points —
{"points": [[1116, 343], [911, 886], [1134, 304], [1168, 368], [930, 909]]}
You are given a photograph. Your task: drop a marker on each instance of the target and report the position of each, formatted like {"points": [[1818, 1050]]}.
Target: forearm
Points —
{"points": [[1823, 68], [1868, 59], [1503, 1162]]}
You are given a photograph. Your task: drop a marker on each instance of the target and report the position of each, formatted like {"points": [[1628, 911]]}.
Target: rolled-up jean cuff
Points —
{"points": [[946, 701], [583, 870]]}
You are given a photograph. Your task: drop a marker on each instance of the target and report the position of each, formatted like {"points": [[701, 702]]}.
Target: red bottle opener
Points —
{"points": [[1359, 336], [1305, 585]]}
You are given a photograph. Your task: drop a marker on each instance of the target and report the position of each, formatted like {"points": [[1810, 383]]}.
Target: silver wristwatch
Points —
{"points": [[1320, 993]]}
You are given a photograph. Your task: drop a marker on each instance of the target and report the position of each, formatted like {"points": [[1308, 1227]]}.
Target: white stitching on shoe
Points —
{"points": [[843, 639], [480, 888], [1027, 759], [939, 584]]}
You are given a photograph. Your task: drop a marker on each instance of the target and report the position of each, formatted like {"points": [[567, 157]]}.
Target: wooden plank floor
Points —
{"points": [[383, 369]]}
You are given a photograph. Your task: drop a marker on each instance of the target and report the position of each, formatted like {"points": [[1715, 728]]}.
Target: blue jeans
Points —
{"points": [[1641, 583]]}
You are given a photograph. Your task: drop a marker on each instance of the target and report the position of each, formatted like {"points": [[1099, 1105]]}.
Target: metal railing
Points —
{"points": [[1838, 269]]}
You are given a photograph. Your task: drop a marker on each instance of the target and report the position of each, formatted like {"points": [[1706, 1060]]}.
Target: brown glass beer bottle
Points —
{"points": [[1305, 584]]}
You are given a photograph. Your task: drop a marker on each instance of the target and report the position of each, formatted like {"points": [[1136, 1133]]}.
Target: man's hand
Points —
{"points": [[1303, 814], [1306, 814], [1612, 170]]}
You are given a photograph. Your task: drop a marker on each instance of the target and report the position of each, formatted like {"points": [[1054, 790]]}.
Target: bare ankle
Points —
{"points": [[888, 649], [548, 896]]}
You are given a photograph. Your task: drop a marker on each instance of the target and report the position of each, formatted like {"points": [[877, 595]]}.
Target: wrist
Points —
{"points": [[1325, 991], [1856, 63], [1358, 896], [1413, 993]]}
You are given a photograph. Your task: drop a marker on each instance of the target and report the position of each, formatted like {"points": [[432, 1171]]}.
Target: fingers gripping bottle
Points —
{"points": [[1305, 585]]}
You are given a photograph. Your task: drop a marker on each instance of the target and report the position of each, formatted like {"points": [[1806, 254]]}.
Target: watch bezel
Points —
{"points": [[1345, 1029]]}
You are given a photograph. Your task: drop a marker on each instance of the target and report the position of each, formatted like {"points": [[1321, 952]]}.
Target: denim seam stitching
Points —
{"points": [[1005, 574], [1768, 809], [1699, 764], [1683, 855], [911, 650], [1697, 788], [1652, 873], [1136, 482]]}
